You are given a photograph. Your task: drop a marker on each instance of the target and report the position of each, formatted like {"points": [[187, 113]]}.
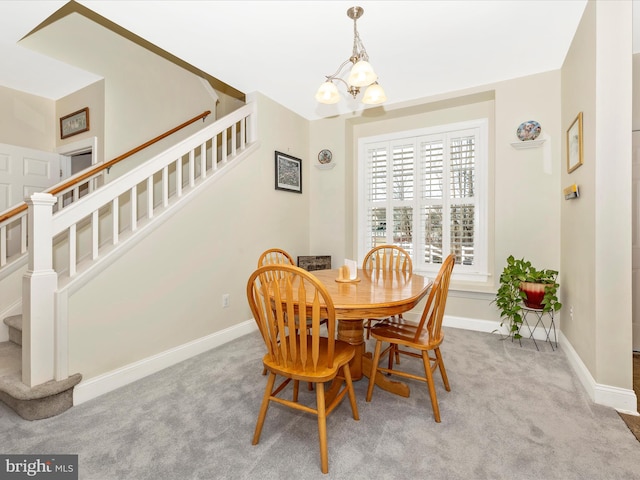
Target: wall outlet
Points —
{"points": [[571, 312], [226, 298]]}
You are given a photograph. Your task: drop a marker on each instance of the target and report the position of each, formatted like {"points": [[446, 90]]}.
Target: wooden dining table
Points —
{"points": [[373, 295]]}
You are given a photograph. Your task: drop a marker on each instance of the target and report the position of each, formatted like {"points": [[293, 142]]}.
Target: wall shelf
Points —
{"points": [[325, 166], [528, 144]]}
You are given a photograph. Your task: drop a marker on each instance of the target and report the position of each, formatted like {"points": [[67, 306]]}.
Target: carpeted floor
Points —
{"points": [[633, 421], [513, 413]]}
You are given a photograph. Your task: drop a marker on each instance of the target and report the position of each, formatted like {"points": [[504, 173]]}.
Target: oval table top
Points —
{"points": [[376, 295]]}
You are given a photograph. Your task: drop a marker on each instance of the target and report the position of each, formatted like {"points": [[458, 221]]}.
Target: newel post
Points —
{"points": [[38, 288]]}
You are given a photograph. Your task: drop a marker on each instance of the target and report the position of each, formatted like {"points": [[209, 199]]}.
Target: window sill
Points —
{"points": [[472, 280]]}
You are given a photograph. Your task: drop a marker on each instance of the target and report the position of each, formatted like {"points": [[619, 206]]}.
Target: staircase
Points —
{"points": [[43, 401], [36, 383]]}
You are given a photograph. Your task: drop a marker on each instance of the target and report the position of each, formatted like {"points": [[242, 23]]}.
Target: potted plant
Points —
{"points": [[521, 284]]}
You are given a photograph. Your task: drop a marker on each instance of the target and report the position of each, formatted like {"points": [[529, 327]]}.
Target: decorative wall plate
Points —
{"points": [[325, 156], [529, 130]]}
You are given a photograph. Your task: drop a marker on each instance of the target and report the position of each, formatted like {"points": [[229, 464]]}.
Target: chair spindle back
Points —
{"points": [[388, 258], [436, 302], [276, 294]]}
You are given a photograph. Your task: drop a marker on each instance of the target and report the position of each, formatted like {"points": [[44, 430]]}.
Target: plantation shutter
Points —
{"points": [[377, 195], [422, 194]]}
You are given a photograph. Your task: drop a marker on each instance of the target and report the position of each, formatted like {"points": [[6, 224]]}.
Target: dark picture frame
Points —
{"points": [[288, 173], [74, 123]]}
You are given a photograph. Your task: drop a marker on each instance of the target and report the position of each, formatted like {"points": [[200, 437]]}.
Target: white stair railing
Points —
{"points": [[83, 234], [13, 222]]}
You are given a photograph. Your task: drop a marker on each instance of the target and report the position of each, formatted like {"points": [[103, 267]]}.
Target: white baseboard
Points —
{"points": [[96, 386], [487, 326], [622, 399]]}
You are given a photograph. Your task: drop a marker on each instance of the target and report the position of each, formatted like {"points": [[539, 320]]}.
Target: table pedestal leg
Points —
{"points": [[352, 332], [399, 388]]}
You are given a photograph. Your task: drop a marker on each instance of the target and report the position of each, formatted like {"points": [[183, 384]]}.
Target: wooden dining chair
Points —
{"points": [[386, 259], [275, 294], [423, 338], [277, 256]]}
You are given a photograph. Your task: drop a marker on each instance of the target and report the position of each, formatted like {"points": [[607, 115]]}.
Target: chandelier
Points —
{"points": [[361, 75]]}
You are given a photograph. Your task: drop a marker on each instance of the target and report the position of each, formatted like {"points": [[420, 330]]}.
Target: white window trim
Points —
{"points": [[480, 271]]}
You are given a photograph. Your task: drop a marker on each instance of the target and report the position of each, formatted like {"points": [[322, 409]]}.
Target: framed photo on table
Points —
{"points": [[74, 123], [288, 173], [574, 144]]}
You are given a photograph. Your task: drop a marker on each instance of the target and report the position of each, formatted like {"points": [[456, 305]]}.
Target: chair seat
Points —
{"points": [[403, 332], [343, 354]]}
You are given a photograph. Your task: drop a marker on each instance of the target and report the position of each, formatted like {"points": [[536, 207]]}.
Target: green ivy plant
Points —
{"points": [[509, 298]]}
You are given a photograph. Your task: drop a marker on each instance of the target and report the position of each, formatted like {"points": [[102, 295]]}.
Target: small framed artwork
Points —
{"points": [[574, 144], [74, 123], [288, 173]]}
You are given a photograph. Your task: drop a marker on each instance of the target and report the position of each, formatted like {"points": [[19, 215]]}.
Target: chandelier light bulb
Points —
{"points": [[328, 93], [374, 95], [362, 74]]}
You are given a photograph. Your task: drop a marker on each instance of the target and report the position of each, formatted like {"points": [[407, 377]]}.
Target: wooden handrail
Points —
{"points": [[89, 173], [21, 207]]}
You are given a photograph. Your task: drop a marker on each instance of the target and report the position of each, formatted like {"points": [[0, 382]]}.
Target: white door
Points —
{"points": [[635, 268], [24, 171]]}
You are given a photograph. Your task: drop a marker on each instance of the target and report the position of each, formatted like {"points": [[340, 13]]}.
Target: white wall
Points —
{"points": [[93, 97], [596, 228], [145, 95], [524, 184], [167, 291], [27, 120]]}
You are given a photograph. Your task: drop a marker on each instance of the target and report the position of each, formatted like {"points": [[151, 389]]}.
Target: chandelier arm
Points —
{"points": [[340, 79], [335, 75]]}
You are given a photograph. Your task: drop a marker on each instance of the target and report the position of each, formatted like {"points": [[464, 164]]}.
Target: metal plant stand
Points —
{"points": [[539, 314]]}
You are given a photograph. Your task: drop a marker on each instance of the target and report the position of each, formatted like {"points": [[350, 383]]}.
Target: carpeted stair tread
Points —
{"points": [[14, 321], [42, 401], [10, 358], [12, 384]]}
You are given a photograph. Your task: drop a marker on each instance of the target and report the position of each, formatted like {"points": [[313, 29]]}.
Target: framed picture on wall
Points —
{"points": [[74, 123], [574, 144], [288, 173]]}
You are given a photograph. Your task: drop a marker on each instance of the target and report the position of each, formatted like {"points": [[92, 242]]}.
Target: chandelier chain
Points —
{"points": [[359, 52]]}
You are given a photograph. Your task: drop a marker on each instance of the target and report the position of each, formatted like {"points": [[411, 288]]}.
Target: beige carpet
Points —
{"points": [[513, 413]]}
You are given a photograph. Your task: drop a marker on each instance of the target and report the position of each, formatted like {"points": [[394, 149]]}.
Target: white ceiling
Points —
{"points": [[283, 49]]}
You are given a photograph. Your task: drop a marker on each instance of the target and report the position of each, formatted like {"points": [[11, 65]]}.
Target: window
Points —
{"points": [[426, 191]]}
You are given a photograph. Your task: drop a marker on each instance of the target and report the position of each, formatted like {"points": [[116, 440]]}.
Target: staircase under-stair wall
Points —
{"points": [[70, 247]]}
